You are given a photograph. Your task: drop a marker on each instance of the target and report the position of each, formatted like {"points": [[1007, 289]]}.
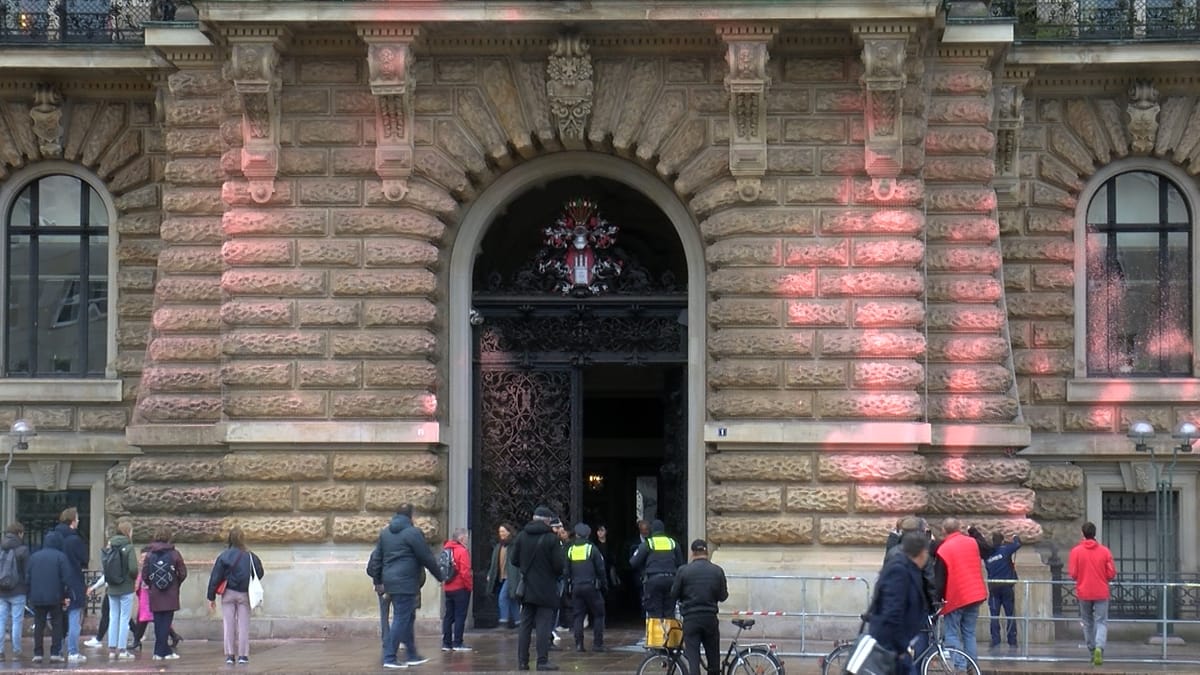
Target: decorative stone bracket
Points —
{"points": [[46, 114], [1010, 102], [883, 54], [1143, 115], [747, 82], [569, 87], [389, 62], [257, 81]]}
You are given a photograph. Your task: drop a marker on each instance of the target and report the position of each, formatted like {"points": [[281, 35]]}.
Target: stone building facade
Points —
{"points": [[881, 209]]}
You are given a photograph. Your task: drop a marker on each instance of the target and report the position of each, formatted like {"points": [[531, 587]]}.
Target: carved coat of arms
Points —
{"points": [[576, 251]]}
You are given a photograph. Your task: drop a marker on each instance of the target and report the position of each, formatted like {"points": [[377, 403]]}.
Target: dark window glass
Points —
{"points": [[1139, 277]]}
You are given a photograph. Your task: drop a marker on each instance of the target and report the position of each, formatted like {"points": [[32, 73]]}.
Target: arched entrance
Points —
{"points": [[641, 343]]}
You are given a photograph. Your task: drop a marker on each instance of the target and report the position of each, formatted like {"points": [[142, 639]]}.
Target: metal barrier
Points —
{"points": [[764, 593]]}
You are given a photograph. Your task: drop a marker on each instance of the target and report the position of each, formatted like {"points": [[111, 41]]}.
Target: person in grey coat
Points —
{"points": [[395, 567]]}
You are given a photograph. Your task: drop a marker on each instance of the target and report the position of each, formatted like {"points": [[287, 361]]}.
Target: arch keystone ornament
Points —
{"points": [[389, 61], [747, 82], [257, 81], [884, 49], [569, 88], [1143, 115], [46, 114]]}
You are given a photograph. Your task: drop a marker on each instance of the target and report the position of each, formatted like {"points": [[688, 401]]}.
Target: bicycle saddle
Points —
{"points": [[743, 623]]}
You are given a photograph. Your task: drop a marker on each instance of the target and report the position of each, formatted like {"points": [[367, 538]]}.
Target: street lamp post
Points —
{"points": [[1166, 553], [20, 433]]}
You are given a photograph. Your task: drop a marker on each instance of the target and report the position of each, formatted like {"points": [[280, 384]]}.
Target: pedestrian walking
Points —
{"points": [[899, 610], [1091, 566], [76, 550], [143, 617], [963, 588], [163, 573], [656, 560], [502, 577], [699, 588], [1002, 596], [120, 573], [587, 584], [538, 554], [456, 590], [400, 553], [230, 578], [50, 594], [14, 586]]}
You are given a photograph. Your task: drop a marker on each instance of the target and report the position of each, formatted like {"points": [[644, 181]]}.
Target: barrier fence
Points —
{"points": [[799, 608]]}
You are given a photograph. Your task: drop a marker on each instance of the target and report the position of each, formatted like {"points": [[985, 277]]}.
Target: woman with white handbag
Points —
{"points": [[235, 577]]}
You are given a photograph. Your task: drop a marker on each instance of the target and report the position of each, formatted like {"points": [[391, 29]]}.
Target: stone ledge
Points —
{"points": [[166, 435], [1118, 390], [980, 435], [45, 390], [818, 433], [325, 433]]}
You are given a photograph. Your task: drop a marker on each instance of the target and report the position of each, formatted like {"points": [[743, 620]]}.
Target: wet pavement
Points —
{"points": [[495, 652]]}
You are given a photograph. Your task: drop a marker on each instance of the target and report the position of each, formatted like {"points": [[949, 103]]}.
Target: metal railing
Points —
{"points": [[1100, 20], [769, 595], [79, 21]]}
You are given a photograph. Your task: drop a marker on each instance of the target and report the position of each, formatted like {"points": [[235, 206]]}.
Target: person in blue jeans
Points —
{"points": [[502, 577], [457, 593], [1002, 596], [76, 548], [14, 560], [394, 566]]}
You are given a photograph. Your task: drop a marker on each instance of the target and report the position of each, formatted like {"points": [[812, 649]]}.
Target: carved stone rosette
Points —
{"points": [[256, 79], [883, 54], [569, 87], [389, 63], [1010, 117], [747, 82], [46, 114], [1143, 115]]}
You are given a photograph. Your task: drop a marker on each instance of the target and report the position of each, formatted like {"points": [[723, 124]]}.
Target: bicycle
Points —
{"points": [[935, 659], [752, 659]]}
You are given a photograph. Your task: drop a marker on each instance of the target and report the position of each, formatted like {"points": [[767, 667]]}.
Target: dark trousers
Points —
{"points": [[385, 613], [656, 597], [102, 629], [138, 628], [702, 630], [588, 600], [58, 628], [162, 632], [454, 617], [1002, 598], [403, 608], [543, 619]]}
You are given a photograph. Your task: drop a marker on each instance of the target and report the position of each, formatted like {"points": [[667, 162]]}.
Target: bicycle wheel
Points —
{"points": [[755, 661], [941, 662], [834, 663], [661, 663]]}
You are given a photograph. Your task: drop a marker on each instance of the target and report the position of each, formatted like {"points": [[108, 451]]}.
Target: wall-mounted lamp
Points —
{"points": [[595, 482]]}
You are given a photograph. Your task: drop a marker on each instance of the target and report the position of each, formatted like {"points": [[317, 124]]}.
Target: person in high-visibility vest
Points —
{"points": [[588, 584], [656, 561]]}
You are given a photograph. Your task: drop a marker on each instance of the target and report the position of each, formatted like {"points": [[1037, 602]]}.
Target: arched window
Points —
{"points": [[56, 251], [1138, 263]]}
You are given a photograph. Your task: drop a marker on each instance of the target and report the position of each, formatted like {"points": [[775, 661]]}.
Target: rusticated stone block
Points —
{"points": [[962, 228], [353, 161], [287, 222], [283, 529], [329, 498], [186, 530], [886, 313], [165, 348], [725, 193], [274, 405], [1040, 221], [842, 160], [1056, 277], [959, 169], [889, 252], [207, 499], [1041, 305], [817, 313], [896, 343], [960, 110], [398, 342], [329, 312], [278, 282], [170, 319], [978, 377], [188, 289], [335, 191], [1098, 418], [878, 221], [422, 496], [814, 253], [189, 260], [250, 313], [256, 374], [963, 258], [102, 419], [181, 378], [1052, 334], [1059, 506], [755, 281], [387, 466], [816, 191], [814, 374], [181, 408], [870, 468], [870, 282], [738, 373], [968, 349], [303, 162], [973, 407], [175, 469], [756, 221], [742, 251], [890, 499], [870, 405], [390, 221], [328, 132], [980, 499], [817, 499], [140, 306], [760, 529], [192, 201], [194, 113], [1055, 477], [994, 470], [1043, 362], [193, 171], [773, 466], [810, 130], [384, 282], [734, 403], [330, 374], [275, 466], [329, 253], [404, 374], [273, 344], [966, 318], [888, 374], [365, 529], [403, 404], [744, 312], [139, 251], [755, 342], [962, 199], [389, 252], [1044, 389], [959, 289], [402, 312], [959, 141], [851, 531], [745, 497]]}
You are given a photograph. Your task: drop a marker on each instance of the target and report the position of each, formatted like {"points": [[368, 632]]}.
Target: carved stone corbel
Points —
{"points": [[257, 81], [389, 63], [46, 114], [1143, 115], [883, 54], [747, 82], [1010, 117], [50, 476], [569, 87]]}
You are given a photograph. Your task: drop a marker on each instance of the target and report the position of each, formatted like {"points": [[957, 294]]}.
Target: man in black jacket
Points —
{"points": [[698, 587], [76, 549], [539, 556], [395, 567], [898, 612], [656, 561], [588, 583]]}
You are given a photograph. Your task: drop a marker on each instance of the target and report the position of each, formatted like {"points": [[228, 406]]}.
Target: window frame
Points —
{"points": [[66, 389], [1140, 388]]}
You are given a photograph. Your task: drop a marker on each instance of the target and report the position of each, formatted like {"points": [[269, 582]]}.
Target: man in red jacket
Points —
{"points": [[1091, 566], [961, 577], [457, 591]]}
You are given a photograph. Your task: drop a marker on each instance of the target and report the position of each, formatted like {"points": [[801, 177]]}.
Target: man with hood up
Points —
{"points": [[49, 581], [395, 567], [76, 550], [14, 589], [539, 556], [656, 561]]}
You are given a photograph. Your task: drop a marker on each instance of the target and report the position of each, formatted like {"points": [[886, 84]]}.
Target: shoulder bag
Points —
{"points": [[256, 588]]}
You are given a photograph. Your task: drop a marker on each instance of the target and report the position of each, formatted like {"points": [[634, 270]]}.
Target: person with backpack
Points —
{"points": [[230, 579], [394, 566], [14, 587], [454, 563], [120, 565], [76, 550], [49, 582], [163, 572]]}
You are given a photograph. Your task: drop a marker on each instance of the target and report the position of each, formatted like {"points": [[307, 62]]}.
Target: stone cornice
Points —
{"points": [[76, 87], [1080, 54], [73, 59], [1110, 81]]}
